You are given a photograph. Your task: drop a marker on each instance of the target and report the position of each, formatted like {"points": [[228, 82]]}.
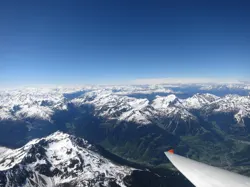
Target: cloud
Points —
{"points": [[186, 81]]}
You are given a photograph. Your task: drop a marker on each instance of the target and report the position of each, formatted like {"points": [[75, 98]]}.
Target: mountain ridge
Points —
{"points": [[57, 159], [19, 105], [63, 160]]}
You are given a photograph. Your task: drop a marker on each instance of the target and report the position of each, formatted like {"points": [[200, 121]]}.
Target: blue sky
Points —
{"points": [[78, 42]]}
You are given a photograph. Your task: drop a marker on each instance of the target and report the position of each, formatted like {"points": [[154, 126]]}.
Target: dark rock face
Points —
{"points": [[44, 169], [38, 169], [54, 158], [17, 176], [3, 179], [179, 127], [144, 144], [37, 152]]}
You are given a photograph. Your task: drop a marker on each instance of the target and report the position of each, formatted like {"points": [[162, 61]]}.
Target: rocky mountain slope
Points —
{"points": [[58, 159], [62, 160], [114, 103], [137, 123]]}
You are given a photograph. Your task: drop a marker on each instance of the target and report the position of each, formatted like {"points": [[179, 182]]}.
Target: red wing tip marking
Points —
{"points": [[171, 151]]}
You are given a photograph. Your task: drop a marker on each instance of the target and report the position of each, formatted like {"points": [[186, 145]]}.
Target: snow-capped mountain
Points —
{"points": [[58, 159], [238, 105], [112, 106], [30, 103], [199, 100], [3, 150], [114, 113], [141, 111], [41, 103], [170, 106], [115, 102], [233, 103]]}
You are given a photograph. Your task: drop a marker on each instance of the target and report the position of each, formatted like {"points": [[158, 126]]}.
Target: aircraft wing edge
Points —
{"points": [[203, 175]]}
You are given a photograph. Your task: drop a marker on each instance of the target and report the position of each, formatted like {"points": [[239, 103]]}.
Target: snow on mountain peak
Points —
{"points": [[164, 102], [113, 103], [171, 106], [240, 105], [60, 158], [199, 100], [29, 103]]}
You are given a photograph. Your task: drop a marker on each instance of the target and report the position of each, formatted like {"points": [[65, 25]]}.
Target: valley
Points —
{"points": [[133, 131]]}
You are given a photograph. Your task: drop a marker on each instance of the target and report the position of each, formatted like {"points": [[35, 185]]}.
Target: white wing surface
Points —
{"points": [[203, 175]]}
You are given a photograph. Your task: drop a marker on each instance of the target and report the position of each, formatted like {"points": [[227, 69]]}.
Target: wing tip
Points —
{"points": [[171, 151]]}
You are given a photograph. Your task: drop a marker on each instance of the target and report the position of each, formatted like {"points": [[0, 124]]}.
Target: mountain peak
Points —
{"points": [[164, 102], [198, 100], [59, 158]]}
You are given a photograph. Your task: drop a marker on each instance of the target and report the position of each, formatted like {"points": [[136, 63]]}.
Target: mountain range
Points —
{"points": [[113, 103], [61, 160], [134, 124]]}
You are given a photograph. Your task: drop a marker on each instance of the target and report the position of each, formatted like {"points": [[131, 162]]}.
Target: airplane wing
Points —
{"points": [[203, 175]]}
